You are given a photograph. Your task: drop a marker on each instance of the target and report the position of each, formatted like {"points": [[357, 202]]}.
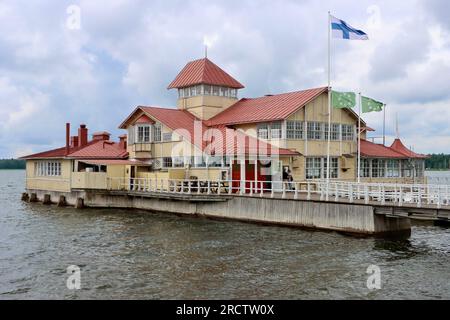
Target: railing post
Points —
{"points": [[336, 192], [439, 198], [209, 187], [383, 195], [261, 189], [419, 197], [230, 186], [296, 190], [272, 192], [251, 188], [161, 189], [350, 192], [308, 187], [447, 196], [284, 191], [322, 190], [366, 194], [400, 201], [218, 187]]}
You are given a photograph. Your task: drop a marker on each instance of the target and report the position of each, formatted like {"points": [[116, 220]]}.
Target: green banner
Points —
{"points": [[370, 105], [342, 100]]}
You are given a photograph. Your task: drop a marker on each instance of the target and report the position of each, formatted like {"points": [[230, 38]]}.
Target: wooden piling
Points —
{"points": [[62, 201], [25, 197], [47, 199], [80, 203], [33, 197]]}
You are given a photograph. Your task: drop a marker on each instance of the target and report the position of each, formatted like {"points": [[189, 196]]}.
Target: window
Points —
{"points": [[224, 92], [315, 131], [143, 134], [365, 168], [157, 132], [233, 93], [334, 168], [313, 168], [263, 131], [294, 130], [335, 131], [167, 136], [198, 162], [378, 168], [393, 168], [316, 168], [216, 91], [275, 130], [406, 169], [178, 162], [347, 132], [167, 162], [47, 169], [419, 168], [207, 90], [215, 162]]}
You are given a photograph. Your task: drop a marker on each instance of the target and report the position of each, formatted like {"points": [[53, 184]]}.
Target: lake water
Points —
{"points": [[141, 255], [438, 177]]}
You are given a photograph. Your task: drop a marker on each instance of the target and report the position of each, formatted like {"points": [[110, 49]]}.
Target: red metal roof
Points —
{"points": [[268, 108], [50, 154], [220, 139], [116, 162], [204, 71], [373, 150], [144, 119], [100, 150], [95, 149], [399, 147]]}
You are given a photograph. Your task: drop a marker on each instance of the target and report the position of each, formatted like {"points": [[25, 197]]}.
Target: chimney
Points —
{"points": [[67, 138], [82, 135], [74, 141], [123, 141], [101, 136]]}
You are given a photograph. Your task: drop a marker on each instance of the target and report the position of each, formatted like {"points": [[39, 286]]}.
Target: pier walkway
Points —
{"points": [[429, 202]]}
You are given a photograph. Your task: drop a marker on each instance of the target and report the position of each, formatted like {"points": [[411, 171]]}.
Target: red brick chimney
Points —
{"points": [[74, 141], [101, 136], [67, 138], [82, 135], [123, 141]]}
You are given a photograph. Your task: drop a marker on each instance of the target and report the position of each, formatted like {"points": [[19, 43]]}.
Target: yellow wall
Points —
{"points": [[205, 107], [89, 180], [57, 183]]}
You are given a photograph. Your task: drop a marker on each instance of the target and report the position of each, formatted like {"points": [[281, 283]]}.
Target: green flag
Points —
{"points": [[343, 99], [370, 105]]}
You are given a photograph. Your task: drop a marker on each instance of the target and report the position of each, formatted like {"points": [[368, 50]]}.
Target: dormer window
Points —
{"points": [[143, 133]]}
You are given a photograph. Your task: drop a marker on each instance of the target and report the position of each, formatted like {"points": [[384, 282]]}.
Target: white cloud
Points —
{"points": [[127, 52]]}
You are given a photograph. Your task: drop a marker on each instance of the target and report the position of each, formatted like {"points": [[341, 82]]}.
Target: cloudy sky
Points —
{"points": [[125, 53]]}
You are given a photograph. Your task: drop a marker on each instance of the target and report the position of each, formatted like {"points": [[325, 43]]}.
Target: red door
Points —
{"points": [[249, 176], [236, 177]]}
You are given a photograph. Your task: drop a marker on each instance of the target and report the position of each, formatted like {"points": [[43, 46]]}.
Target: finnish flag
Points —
{"points": [[341, 30]]}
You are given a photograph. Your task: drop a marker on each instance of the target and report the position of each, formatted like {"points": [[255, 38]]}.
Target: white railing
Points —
{"points": [[338, 191]]}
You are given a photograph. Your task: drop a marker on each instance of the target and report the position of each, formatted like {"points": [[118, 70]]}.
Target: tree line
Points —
{"points": [[438, 161], [12, 164]]}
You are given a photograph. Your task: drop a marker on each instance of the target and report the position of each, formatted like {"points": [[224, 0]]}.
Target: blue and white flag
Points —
{"points": [[341, 30]]}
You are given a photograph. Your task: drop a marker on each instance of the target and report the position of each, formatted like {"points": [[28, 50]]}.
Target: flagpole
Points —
{"points": [[359, 138], [384, 124], [329, 101]]}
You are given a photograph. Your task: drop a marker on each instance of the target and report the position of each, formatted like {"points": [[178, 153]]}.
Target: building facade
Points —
{"points": [[214, 135]]}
